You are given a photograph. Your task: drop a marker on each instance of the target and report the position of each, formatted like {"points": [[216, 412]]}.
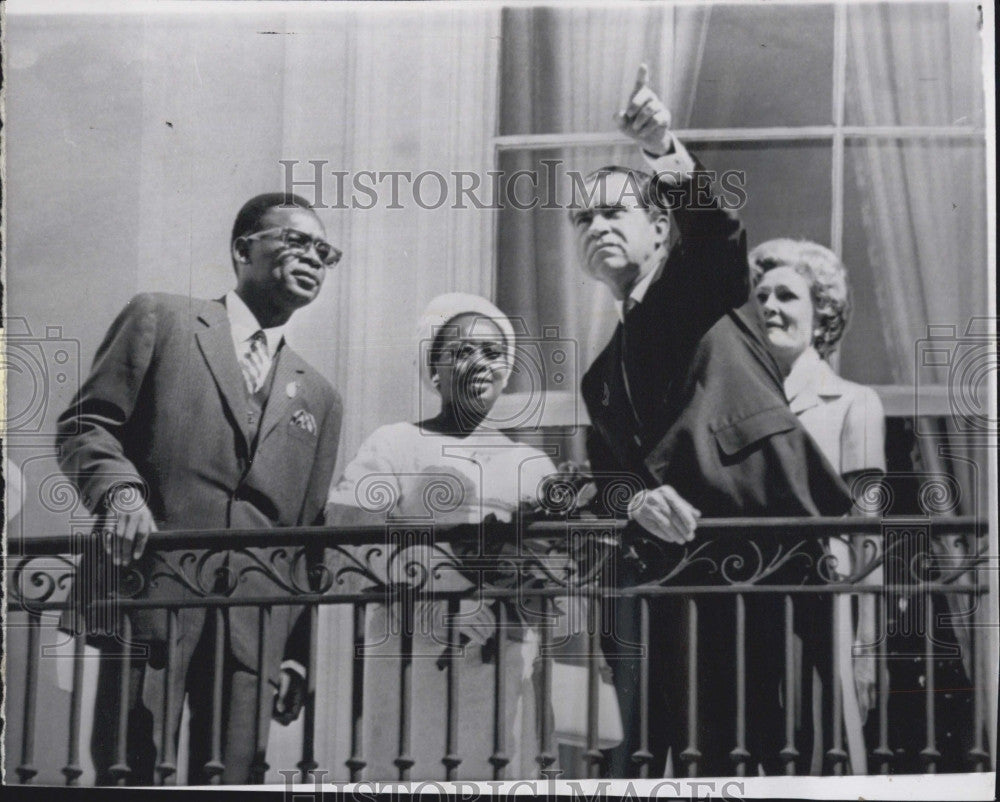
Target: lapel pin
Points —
{"points": [[291, 389]]}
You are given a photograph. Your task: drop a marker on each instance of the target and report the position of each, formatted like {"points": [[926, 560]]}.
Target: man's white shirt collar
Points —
{"points": [[244, 325]]}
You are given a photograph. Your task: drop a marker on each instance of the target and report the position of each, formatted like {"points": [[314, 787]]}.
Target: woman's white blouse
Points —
{"points": [[404, 472], [424, 480]]}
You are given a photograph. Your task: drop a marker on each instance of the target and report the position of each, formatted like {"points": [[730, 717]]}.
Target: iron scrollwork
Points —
{"points": [[421, 559]]}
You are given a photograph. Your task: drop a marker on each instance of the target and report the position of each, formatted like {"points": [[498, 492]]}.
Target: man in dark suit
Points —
{"points": [[198, 415], [686, 400]]}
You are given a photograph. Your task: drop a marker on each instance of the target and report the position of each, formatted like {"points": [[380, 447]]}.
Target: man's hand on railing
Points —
{"points": [[866, 637], [126, 524], [864, 681], [663, 513], [291, 697]]}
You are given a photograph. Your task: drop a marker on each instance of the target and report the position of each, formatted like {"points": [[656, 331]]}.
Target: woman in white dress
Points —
{"points": [[453, 468], [803, 293]]}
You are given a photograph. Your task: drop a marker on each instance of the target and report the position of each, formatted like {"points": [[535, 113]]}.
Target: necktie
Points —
{"points": [[254, 362]]}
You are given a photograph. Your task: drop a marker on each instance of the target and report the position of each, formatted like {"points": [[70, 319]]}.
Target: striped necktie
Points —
{"points": [[254, 362]]}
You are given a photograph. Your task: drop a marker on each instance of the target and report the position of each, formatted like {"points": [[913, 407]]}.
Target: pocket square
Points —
{"points": [[304, 420]]}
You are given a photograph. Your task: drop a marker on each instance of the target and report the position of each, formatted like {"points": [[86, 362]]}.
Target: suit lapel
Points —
{"points": [[810, 381], [288, 371], [216, 344], [807, 398]]}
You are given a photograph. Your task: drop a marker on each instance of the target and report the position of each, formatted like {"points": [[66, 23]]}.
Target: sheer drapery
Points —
{"points": [[925, 219], [419, 94], [926, 207], [409, 91], [143, 134], [406, 90], [567, 70]]}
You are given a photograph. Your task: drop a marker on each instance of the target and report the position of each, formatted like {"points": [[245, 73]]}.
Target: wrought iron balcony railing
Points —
{"points": [[596, 560]]}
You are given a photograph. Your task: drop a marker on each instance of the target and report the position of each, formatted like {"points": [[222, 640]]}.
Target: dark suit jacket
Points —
{"points": [[704, 411], [708, 414], [164, 408]]}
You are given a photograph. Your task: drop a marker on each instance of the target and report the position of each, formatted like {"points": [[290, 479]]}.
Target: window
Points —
{"points": [[858, 126]]}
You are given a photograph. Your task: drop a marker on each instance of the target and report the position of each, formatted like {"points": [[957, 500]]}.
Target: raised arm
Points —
{"points": [[711, 235]]}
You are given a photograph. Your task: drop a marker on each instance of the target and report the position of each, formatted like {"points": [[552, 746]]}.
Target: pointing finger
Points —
{"points": [[644, 115], [641, 77]]}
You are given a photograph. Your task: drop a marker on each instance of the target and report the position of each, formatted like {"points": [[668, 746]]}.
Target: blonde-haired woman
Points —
{"points": [[804, 296]]}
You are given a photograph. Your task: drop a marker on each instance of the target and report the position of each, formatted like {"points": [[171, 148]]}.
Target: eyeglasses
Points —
{"points": [[300, 242]]}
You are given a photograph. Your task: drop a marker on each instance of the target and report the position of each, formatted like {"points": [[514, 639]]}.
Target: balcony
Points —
{"points": [[929, 608]]}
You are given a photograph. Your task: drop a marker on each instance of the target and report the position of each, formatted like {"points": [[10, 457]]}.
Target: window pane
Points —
{"points": [[914, 64], [765, 66], [567, 70], [787, 186]]}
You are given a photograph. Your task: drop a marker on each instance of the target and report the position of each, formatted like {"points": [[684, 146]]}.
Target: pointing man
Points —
{"points": [[686, 399]]}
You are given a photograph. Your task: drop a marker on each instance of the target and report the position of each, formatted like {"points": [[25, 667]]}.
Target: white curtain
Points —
{"points": [[379, 90], [417, 93], [911, 64], [926, 214]]}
